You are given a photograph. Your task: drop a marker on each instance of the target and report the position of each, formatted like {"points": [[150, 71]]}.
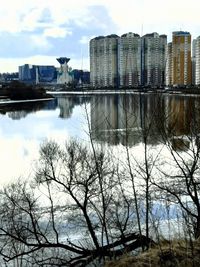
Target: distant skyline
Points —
{"points": [[37, 32]]}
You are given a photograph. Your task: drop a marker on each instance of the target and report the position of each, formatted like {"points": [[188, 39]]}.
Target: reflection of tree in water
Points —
{"points": [[18, 111], [67, 104]]}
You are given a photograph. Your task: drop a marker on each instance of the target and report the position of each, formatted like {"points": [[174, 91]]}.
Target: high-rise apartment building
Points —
{"points": [[181, 58], [103, 61], [197, 61], [169, 69], [129, 59], [194, 61], [153, 59]]}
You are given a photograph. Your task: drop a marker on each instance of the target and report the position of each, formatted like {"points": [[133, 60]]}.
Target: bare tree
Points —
{"points": [[181, 184], [61, 219]]}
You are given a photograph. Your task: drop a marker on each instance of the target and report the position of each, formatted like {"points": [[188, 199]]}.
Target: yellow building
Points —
{"points": [[181, 58]]}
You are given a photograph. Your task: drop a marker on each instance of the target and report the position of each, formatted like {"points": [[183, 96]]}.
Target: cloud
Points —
{"points": [[56, 32], [40, 42], [46, 33], [64, 28], [85, 39]]}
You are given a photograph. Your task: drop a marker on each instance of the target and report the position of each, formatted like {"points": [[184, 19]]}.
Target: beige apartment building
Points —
{"points": [[181, 59]]}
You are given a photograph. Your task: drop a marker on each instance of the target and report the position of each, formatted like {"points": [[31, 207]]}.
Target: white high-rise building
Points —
{"points": [[194, 61], [129, 59], [153, 59], [169, 69], [103, 61], [197, 61]]}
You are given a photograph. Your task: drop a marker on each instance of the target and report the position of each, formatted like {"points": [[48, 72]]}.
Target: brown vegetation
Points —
{"points": [[166, 254]]}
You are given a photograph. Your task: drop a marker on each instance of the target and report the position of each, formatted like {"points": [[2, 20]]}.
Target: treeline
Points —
{"points": [[21, 91]]}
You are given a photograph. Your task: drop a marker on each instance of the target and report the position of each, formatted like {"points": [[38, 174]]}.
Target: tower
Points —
{"points": [[153, 59], [103, 61], [129, 59], [181, 58], [169, 65], [197, 61], [63, 75]]}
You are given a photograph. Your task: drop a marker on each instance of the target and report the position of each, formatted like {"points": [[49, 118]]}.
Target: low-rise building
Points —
{"points": [[37, 73]]}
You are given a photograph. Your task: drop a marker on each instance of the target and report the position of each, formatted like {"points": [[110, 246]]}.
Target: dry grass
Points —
{"points": [[167, 254]]}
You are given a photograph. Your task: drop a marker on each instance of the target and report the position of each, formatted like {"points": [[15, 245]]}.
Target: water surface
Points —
{"points": [[115, 120]]}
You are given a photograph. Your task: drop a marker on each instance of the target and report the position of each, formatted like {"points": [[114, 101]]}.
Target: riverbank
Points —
{"points": [[182, 253], [88, 92], [8, 101], [17, 91]]}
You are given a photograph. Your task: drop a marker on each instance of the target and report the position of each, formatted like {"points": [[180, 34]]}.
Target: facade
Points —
{"points": [[129, 60], [153, 59], [197, 61], [26, 73], [37, 73], [181, 59], [194, 61], [169, 69], [80, 77], [103, 61]]}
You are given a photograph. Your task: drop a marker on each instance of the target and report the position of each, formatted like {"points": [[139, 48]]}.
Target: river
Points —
{"points": [[115, 120]]}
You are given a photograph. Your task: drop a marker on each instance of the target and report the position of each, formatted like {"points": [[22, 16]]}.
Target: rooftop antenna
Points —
{"points": [[142, 30]]}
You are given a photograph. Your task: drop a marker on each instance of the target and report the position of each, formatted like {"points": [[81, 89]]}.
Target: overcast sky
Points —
{"points": [[38, 31]]}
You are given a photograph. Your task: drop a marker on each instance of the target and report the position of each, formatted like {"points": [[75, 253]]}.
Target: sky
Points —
{"points": [[39, 31]]}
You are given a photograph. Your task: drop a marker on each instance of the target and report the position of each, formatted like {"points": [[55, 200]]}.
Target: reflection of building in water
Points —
{"points": [[17, 115], [178, 110], [67, 104], [21, 110], [108, 122], [52, 104], [123, 118], [180, 144], [126, 119], [182, 122]]}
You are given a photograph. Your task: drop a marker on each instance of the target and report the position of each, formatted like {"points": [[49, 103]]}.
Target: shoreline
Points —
{"points": [[123, 92], [5, 102]]}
